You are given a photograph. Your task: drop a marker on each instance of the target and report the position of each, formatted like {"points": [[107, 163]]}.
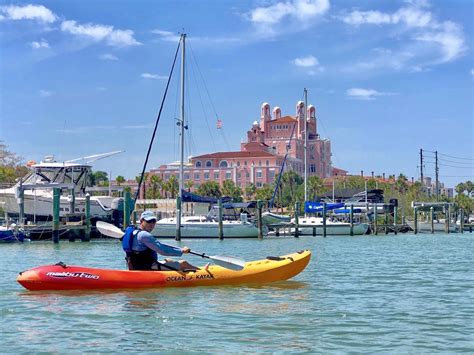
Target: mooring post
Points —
{"points": [[126, 209], [448, 219], [415, 220], [461, 221], [21, 204], [297, 214], [259, 219], [324, 219], [376, 232], [221, 222], [87, 231], [386, 222], [395, 215], [432, 219], [72, 203], [56, 204], [178, 218], [351, 219]]}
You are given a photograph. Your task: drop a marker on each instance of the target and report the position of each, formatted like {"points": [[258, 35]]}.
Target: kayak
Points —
{"points": [[65, 277]]}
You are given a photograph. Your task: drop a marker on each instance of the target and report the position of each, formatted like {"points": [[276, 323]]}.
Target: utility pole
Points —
{"points": [[305, 146], [421, 168], [437, 174]]}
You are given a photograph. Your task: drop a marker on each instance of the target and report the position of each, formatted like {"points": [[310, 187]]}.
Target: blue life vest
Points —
{"points": [[127, 239]]}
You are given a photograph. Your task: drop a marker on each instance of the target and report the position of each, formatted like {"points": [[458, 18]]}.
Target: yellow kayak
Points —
{"points": [[64, 277]]}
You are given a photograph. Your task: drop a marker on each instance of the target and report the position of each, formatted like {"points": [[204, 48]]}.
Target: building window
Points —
{"points": [[312, 168], [228, 175], [259, 163], [259, 174], [186, 176], [272, 174], [267, 163], [216, 175], [245, 162], [239, 175], [238, 163], [167, 177], [247, 174], [209, 164], [206, 176], [198, 164], [196, 176], [259, 184], [223, 164]]}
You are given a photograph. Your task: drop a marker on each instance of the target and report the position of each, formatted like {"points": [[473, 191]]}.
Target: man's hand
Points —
{"points": [[185, 250]]}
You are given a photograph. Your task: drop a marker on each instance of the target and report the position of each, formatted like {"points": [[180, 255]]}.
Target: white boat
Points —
{"points": [[38, 186], [202, 227], [197, 226], [269, 218], [314, 226]]}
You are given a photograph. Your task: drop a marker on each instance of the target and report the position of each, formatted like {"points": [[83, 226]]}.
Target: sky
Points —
{"points": [[387, 78]]}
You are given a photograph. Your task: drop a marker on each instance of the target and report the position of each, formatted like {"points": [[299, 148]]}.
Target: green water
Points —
{"points": [[396, 294]]}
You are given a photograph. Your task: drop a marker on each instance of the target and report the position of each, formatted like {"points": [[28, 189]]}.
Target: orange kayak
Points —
{"points": [[64, 277]]}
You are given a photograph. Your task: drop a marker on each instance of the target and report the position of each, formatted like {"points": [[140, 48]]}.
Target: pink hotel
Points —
{"points": [[259, 160]]}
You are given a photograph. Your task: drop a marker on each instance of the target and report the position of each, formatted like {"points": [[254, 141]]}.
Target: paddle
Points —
{"points": [[227, 262]]}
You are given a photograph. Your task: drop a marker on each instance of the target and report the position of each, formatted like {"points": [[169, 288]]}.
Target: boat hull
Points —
{"points": [[61, 277], [335, 229], [206, 230]]}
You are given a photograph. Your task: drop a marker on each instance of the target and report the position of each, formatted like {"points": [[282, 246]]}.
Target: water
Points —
{"points": [[405, 293]]}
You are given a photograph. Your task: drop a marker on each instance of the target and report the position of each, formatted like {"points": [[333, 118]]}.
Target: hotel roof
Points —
{"points": [[239, 154]]}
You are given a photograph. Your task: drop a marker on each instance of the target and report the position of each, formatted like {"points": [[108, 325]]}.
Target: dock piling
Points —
{"points": [[87, 231], [56, 205], [324, 219], [415, 220], [259, 219], [126, 209], [221, 222], [395, 215], [297, 213], [178, 218], [351, 220]]}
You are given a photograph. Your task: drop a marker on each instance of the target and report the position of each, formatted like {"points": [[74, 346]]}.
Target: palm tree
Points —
{"points": [[315, 187], [460, 188], [119, 180], [250, 190], [156, 182], [189, 185], [210, 189], [173, 186]]}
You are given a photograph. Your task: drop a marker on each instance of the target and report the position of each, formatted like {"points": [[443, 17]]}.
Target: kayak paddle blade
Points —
{"points": [[109, 229], [228, 262]]}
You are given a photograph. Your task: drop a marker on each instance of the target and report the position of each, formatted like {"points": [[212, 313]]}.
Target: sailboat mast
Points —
{"points": [[305, 145], [182, 123]]}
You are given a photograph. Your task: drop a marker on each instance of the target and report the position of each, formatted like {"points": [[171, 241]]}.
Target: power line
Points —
{"points": [[450, 156]]}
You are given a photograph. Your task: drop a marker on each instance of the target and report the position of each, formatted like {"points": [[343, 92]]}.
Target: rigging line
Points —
{"points": [[463, 176], [204, 82], [156, 125], [450, 156], [175, 125], [193, 64]]}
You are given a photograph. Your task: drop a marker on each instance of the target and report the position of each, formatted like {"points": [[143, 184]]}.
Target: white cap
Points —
{"points": [[148, 216]]}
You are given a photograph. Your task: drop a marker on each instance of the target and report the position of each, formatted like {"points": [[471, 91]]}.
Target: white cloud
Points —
{"points": [[364, 94], [166, 35], [429, 40], [119, 38], [108, 56], [40, 44], [45, 93], [265, 18], [309, 62], [28, 12], [153, 76]]}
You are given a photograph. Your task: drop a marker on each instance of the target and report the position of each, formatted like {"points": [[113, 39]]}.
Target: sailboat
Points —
{"points": [[71, 175], [197, 226], [312, 225]]}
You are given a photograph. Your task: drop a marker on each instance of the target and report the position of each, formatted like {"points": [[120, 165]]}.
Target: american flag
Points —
{"points": [[219, 124]]}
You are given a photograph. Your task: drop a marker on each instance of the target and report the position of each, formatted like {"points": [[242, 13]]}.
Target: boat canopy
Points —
{"points": [[190, 197], [315, 207]]}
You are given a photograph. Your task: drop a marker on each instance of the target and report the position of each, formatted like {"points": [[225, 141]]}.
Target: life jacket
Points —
{"points": [[137, 260]]}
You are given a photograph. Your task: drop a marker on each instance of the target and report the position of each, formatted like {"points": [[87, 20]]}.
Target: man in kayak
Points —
{"points": [[142, 248]]}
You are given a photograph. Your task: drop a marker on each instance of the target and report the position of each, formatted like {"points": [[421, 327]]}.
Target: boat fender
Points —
{"points": [[64, 266]]}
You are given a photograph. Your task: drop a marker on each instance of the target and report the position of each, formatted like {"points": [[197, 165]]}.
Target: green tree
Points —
{"points": [[119, 180], [469, 187], [98, 178], [155, 182], [230, 189], [460, 188], [210, 189], [465, 202], [250, 190], [172, 186], [264, 193], [315, 187], [189, 185], [292, 188]]}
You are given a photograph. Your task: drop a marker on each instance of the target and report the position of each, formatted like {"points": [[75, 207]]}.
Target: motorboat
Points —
{"points": [[71, 177], [204, 227], [314, 226]]}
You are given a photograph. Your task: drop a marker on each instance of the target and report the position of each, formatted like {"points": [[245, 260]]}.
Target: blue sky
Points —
{"points": [[387, 78]]}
